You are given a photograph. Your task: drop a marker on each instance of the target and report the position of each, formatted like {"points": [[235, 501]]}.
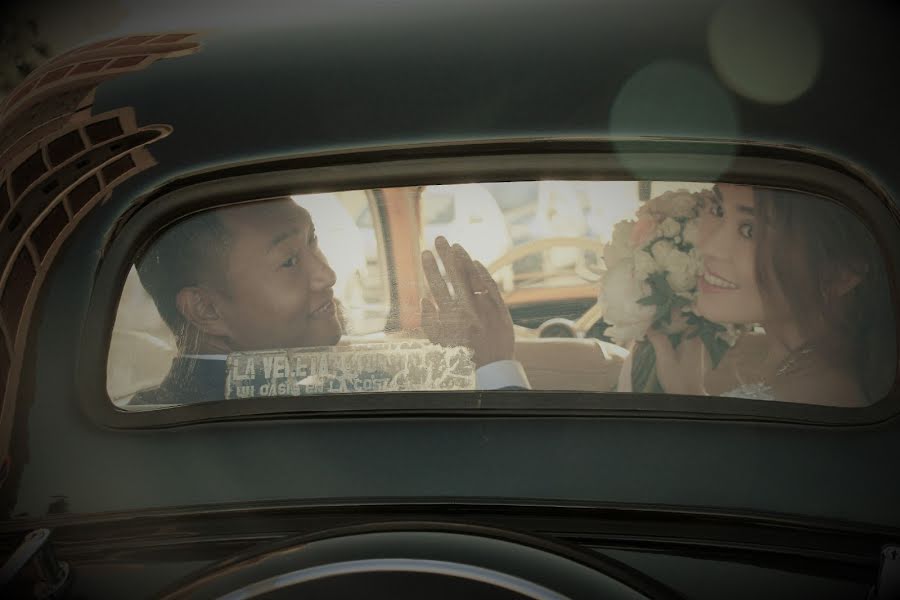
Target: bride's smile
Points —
{"points": [[713, 283], [728, 290]]}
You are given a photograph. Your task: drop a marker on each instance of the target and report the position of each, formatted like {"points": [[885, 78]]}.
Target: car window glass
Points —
{"points": [[610, 286], [438, 207]]}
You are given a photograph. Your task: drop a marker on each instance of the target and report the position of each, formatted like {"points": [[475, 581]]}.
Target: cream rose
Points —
{"points": [[661, 251], [619, 248], [682, 204], [644, 264], [669, 228], [682, 267], [622, 287], [682, 272]]}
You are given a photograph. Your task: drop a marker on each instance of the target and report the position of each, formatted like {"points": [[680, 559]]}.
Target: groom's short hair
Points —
{"points": [[192, 251]]}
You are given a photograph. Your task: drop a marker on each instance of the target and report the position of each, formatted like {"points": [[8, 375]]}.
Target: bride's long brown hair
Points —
{"points": [[807, 246]]}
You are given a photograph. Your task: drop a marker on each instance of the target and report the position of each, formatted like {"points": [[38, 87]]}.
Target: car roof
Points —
{"points": [[407, 73]]}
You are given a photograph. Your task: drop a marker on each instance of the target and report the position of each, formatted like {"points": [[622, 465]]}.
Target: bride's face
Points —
{"points": [[728, 290]]}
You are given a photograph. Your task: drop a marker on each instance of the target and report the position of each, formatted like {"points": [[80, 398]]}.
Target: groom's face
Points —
{"points": [[278, 284]]}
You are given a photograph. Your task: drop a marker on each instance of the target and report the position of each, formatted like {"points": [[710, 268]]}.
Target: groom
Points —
{"points": [[252, 277]]}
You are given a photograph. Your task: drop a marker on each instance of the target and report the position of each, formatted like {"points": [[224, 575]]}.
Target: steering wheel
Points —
{"points": [[414, 560], [559, 327]]}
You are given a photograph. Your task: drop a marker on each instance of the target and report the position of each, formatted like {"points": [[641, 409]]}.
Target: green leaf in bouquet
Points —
{"points": [[643, 369], [663, 313], [660, 284], [653, 300], [679, 302], [675, 339], [717, 327], [716, 346]]}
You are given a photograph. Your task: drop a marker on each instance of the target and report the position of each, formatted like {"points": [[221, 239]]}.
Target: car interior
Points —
{"points": [[550, 284]]}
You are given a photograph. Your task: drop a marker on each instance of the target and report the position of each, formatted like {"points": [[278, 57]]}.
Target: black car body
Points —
{"points": [[108, 143]]}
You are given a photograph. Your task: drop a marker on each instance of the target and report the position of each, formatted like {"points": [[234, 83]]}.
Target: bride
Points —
{"points": [[806, 271]]}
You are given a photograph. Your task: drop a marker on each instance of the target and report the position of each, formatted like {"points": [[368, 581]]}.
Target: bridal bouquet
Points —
{"points": [[651, 281]]}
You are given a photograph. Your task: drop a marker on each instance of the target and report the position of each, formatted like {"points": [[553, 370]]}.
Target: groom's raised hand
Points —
{"points": [[474, 315]]}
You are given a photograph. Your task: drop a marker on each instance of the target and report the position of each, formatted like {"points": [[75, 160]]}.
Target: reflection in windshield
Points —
{"points": [[652, 287]]}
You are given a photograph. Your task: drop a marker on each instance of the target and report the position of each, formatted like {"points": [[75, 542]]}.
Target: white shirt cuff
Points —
{"points": [[501, 374]]}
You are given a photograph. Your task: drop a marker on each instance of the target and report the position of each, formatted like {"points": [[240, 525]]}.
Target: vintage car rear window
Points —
{"points": [[706, 289]]}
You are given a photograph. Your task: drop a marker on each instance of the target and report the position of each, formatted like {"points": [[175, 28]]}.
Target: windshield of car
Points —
{"points": [[703, 289]]}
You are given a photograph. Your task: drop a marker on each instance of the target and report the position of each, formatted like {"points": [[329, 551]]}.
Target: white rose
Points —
{"points": [[682, 271], [619, 248], [682, 267], [669, 228], [621, 290], [644, 265], [651, 205], [681, 204], [661, 251]]}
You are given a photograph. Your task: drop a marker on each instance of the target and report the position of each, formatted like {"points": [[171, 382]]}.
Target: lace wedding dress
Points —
{"points": [[759, 390]]}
